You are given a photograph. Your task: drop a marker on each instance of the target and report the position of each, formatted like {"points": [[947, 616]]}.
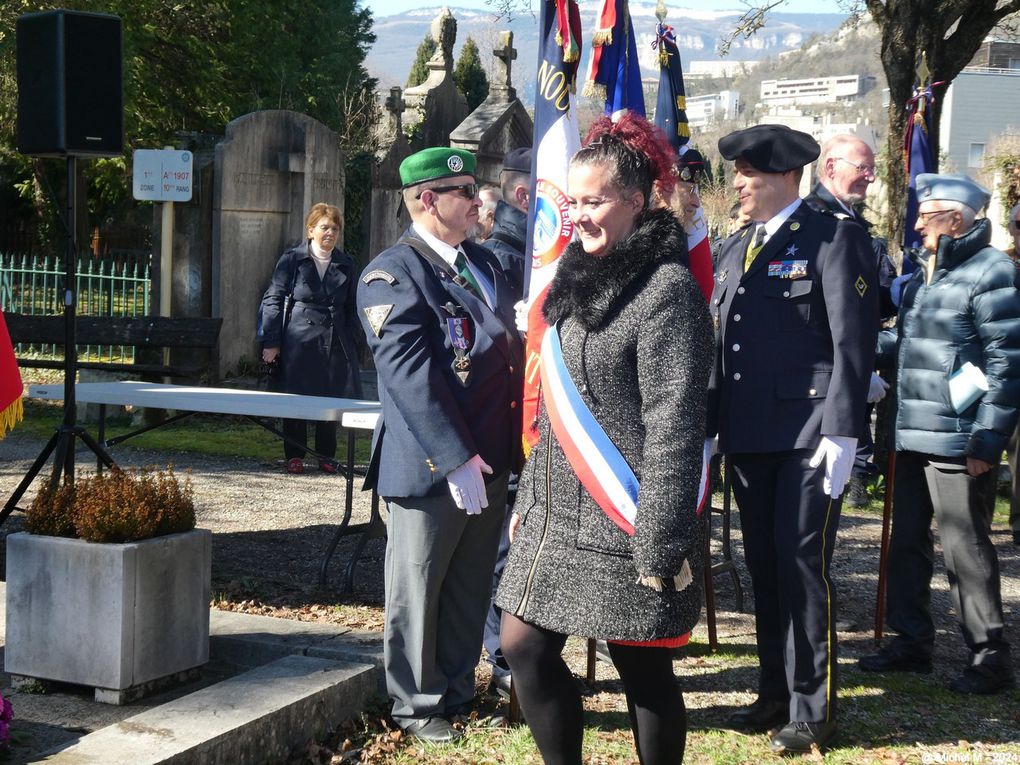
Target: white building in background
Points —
{"points": [[815, 90], [719, 68], [702, 111], [979, 104]]}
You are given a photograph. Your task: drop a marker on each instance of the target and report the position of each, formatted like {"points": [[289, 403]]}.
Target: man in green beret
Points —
{"points": [[438, 312]]}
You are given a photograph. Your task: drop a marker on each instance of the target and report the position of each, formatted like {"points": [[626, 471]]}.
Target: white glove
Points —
{"points": [[467, 487], [838, 453], [876, 388], [521, 309]]}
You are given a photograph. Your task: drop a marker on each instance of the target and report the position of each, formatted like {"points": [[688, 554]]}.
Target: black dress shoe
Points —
{"points": [[889, 660], [982, 679], [435, 730], [762, 715], [798, 737], [500, 686]]}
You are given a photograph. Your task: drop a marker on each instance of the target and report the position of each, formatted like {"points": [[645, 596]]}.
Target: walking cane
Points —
{"points": [[883, 553]]}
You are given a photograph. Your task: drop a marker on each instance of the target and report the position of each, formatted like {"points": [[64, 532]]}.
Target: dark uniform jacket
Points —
{"points": [[637, 342], [795, 336], [506, 242], [823, 200], [431, 422], [969, 312], [317, 345]]}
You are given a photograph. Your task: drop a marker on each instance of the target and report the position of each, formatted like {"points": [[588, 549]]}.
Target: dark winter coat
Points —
{"points": [[506, 242], [317, 343], [637, 341], [969, 312]]}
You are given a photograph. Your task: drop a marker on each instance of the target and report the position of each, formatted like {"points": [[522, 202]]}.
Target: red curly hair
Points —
{"points": [[637, 154]]}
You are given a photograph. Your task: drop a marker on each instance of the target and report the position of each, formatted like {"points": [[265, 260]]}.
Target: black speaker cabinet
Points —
{"points": [[70, 84]]}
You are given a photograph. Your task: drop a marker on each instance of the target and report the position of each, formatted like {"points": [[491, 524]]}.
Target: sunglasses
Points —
{"points": [[467, 190]]}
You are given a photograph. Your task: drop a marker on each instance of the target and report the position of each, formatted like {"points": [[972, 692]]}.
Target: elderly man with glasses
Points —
{"points": [[438, 313], [846, 168], [957, 352]]}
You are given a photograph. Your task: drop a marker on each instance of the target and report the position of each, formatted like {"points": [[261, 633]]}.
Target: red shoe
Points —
{"points": [[295, 465], [327, 467]]}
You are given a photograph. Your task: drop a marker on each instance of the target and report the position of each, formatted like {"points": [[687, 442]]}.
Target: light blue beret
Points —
{"points": [[946, 187]]}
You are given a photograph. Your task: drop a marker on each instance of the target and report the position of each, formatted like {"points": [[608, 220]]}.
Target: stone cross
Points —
{"points": [[395, 105], [505, 55]]}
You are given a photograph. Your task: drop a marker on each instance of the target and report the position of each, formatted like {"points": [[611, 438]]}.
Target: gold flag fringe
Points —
{"points": [[683, 130], [602, 37], [11, 416], [681, 102], [594, 89]]}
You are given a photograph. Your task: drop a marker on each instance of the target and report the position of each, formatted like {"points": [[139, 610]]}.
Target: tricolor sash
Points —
{"points": [[600, 467]]}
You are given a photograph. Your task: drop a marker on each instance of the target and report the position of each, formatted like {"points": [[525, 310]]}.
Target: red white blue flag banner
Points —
{"points": [[557, 139]]}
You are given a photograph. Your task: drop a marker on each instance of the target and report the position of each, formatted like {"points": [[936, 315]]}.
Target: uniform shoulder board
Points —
{"points": [[377, 274]]}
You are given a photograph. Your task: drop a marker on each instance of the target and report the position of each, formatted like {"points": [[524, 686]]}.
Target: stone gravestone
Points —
{"points": [[500, 123], [436, 107], [387, 216], [271, 167]]}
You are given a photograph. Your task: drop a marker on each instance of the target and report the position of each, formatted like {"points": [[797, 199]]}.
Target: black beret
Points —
{"points": [[770, 148], [518, 160], [690, 166]]}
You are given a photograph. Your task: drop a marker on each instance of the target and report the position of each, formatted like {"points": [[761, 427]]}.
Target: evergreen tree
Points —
{"points": [[720, 173], [470, 76], [419, 70]]}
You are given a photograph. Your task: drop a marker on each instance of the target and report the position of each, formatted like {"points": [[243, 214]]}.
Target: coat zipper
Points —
{"points": [[545, 527]]}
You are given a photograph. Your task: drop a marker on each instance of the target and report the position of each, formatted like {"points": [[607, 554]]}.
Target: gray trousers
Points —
{"points": [[929, 486], [439, 563]]}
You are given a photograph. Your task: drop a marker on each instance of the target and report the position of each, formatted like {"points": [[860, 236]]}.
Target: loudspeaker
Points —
{"points": [[70, 84]]}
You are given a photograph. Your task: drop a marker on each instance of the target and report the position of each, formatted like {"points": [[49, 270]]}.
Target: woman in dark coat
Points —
{"points": [[636, 342], [309, 326]]}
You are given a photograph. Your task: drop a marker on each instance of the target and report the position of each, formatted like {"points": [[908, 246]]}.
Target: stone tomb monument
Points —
{"points": [[387, 217], [271, 167], [436, 107], [500, 123]]}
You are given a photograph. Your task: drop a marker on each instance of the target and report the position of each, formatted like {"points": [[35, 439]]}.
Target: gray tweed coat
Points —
{"points": [[637, 340]]}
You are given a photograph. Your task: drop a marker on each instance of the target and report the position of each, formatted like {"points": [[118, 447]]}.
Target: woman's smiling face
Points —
{"points": [[602, 214]]}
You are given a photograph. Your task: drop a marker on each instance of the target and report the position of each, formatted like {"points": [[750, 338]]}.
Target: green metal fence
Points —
{"points": [[117, 285]]}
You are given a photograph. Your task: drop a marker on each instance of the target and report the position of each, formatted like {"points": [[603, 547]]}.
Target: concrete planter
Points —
{"points": [[111, 616]]}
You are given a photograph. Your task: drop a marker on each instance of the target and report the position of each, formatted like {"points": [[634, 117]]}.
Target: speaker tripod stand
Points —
{"points": [[62, 443]]}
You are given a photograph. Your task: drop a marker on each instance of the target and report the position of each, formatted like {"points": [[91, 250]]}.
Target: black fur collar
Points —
{"points": [[588, 288]]}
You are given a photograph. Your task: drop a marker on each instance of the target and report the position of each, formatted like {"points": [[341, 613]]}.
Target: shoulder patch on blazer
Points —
{"points": [[377, 274], [377, 315]]}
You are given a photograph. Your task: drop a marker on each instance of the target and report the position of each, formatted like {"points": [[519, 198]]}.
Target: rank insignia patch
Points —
{"points": [[377, 315], [380, 275], [861, 286]]}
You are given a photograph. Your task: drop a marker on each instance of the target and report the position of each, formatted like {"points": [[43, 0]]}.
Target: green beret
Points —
{"points": [[437, 162]]}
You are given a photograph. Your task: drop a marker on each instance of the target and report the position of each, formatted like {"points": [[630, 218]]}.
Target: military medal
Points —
{"points": [[459, 330]]}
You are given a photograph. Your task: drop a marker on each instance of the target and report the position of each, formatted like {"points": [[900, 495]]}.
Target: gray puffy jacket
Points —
{"points": [[969, 312]]}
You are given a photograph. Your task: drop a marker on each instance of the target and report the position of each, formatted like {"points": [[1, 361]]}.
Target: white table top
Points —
{"points": [[216, 400]]}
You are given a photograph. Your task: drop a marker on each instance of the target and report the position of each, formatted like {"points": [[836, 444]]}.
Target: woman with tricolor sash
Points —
{"points": [[607, 539]]}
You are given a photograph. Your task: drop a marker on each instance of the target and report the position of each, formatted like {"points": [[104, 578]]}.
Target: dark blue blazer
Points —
{"points": [[431, 421], [795, 336]]}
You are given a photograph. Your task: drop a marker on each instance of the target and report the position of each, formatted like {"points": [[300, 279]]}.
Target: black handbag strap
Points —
{"points": [[433, 258]]}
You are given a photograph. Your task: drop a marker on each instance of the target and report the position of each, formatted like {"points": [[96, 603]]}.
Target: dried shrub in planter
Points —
{"points": [[51, 513], [119, 506]]}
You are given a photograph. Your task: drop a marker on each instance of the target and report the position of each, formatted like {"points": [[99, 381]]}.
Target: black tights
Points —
{"points": [[551, 702]]}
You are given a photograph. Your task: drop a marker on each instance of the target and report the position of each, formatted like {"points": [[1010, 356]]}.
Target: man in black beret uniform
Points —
{"points": [[438, 313], [796, 315]]}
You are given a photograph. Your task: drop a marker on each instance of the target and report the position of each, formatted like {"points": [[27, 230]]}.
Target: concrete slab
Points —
{"points": [[249, 640], [58, 717], [258, 716]]}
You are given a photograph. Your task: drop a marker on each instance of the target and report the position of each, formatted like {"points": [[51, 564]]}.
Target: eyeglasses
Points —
{"points": [[467, 190], [866, 170], [927, 216]]}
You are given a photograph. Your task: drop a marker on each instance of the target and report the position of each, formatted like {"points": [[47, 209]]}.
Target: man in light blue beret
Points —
{"points": [[439, 317], [956, 347]]}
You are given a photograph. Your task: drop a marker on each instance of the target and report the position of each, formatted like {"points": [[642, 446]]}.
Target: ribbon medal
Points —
{"points": [[788, 269], [459, 330]]}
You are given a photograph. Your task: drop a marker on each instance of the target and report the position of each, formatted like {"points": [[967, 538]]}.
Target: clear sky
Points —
{"points": [[388, 7]]}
